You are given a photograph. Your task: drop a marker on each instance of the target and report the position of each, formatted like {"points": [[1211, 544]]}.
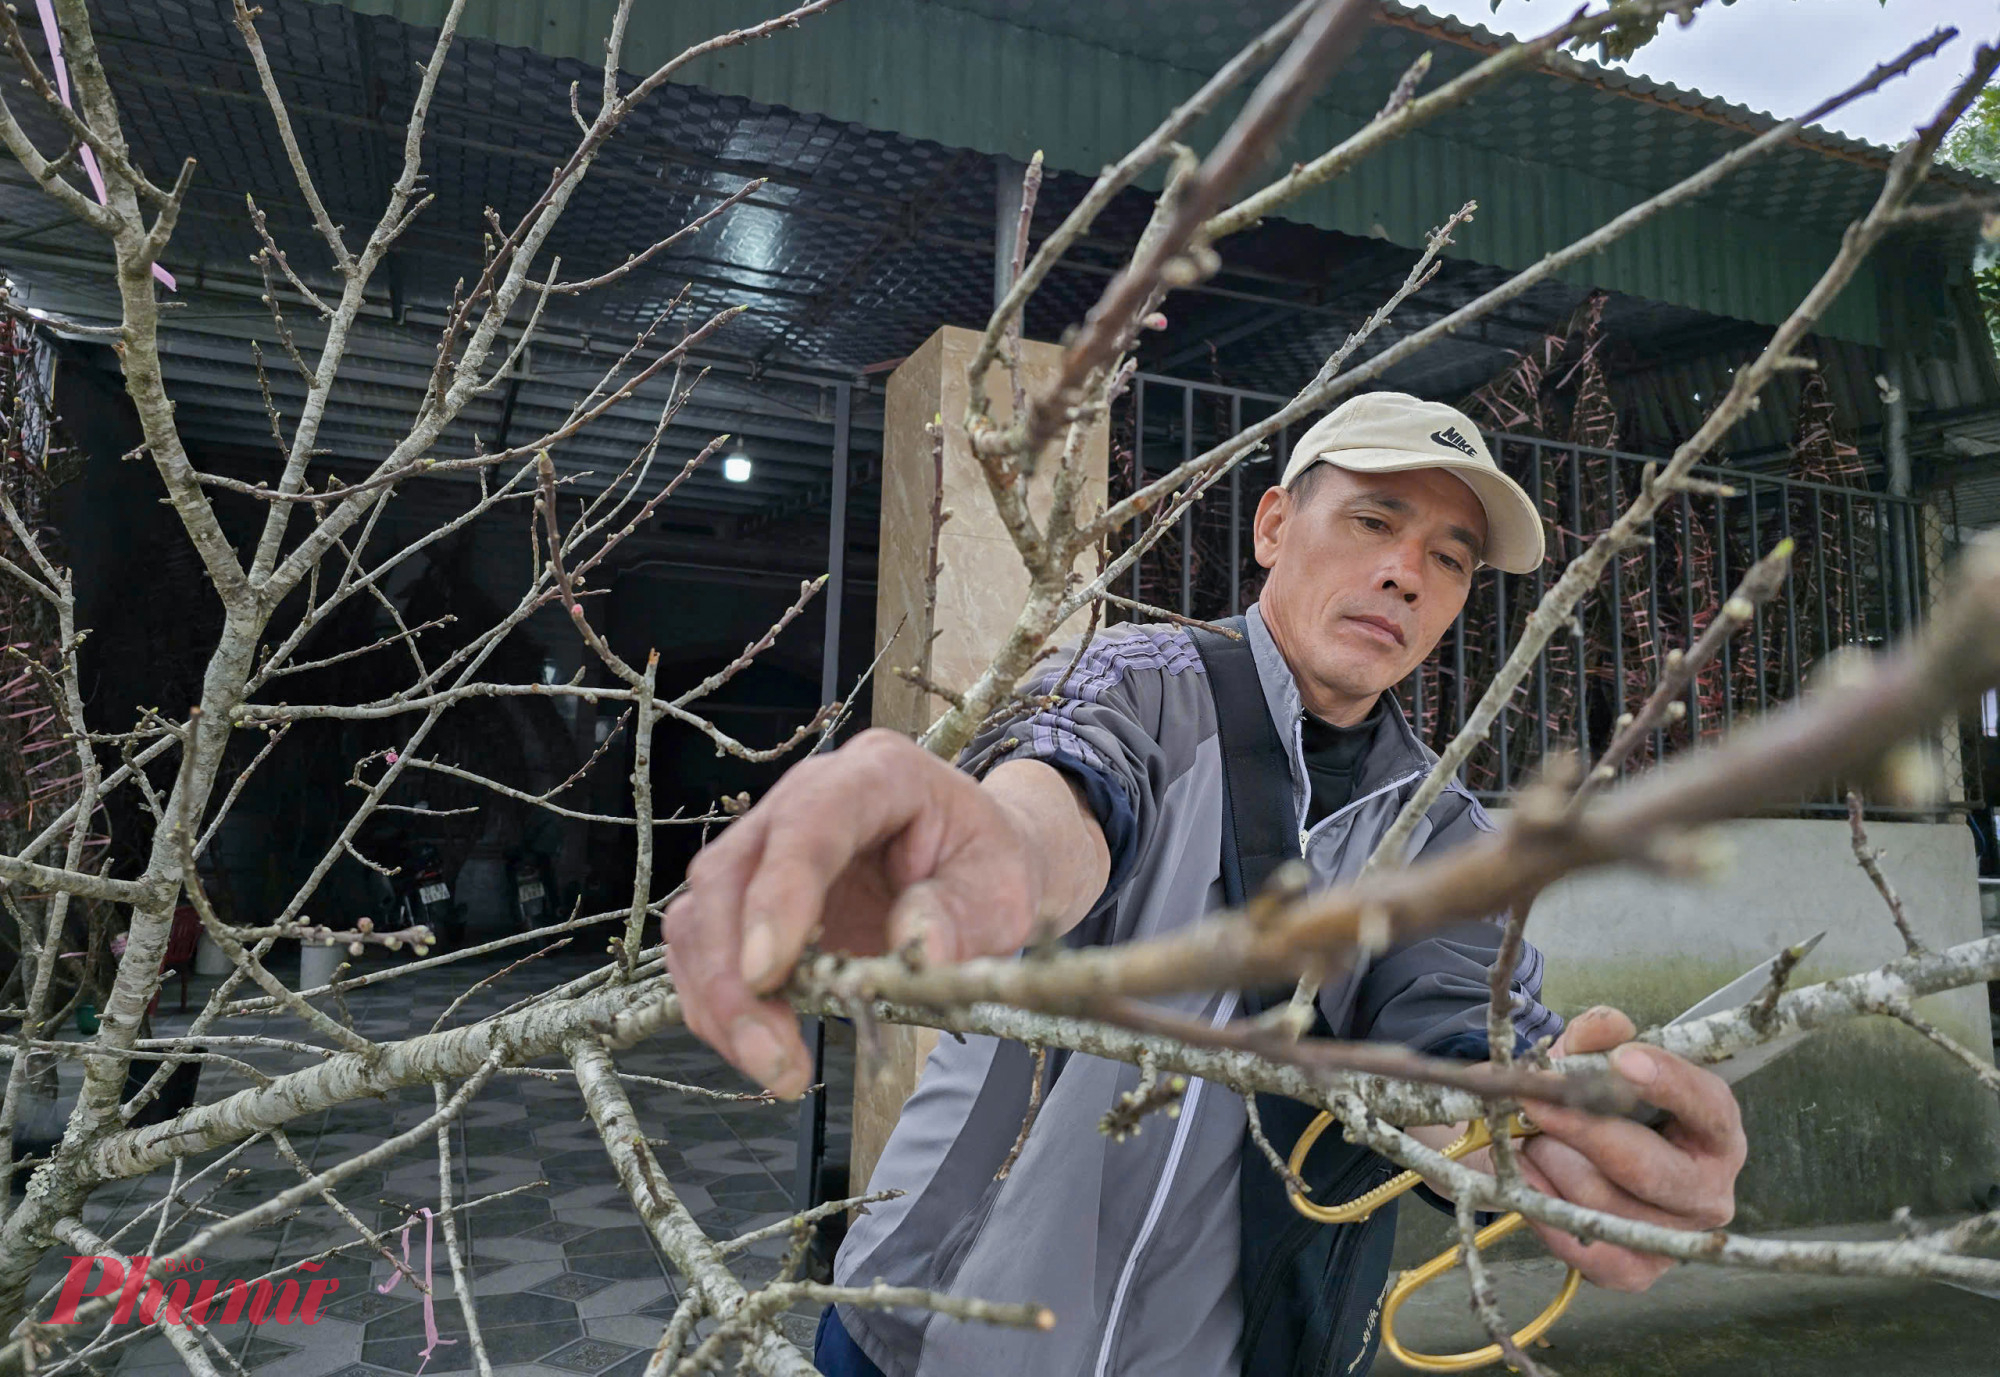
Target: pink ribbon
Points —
{"points": [[431, 1338], [53, 33]]}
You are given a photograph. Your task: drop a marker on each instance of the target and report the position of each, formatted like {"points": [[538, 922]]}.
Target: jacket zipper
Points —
{"points": [[1186, 1121], [1182, 1126], [1191, 1102], [1305, 834]]}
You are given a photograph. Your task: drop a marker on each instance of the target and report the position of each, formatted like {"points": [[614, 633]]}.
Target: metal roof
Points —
{"points": [[1549, 154], [861, 244]]}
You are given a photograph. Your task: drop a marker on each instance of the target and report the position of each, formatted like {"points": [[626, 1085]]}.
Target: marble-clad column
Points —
{"points": [[980, 592]]}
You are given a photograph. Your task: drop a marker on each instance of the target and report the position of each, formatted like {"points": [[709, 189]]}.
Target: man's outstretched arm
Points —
{"points": [[862, 850]]}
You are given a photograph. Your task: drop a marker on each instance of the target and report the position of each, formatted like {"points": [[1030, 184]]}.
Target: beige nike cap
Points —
{"points": [[1389, 432]]}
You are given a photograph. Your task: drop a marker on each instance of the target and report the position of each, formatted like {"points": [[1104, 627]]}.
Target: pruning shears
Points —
{"points": [[1478, 1135]]}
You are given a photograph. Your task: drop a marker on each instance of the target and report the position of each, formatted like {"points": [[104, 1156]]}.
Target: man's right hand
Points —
{"points": [[862, 850]]}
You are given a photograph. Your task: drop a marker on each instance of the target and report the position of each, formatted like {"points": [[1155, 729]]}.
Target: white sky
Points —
{"points": [[1785, 56]]}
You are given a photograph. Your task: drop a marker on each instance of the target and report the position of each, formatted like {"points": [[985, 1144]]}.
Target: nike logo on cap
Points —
{"points": [[1450, 437]]}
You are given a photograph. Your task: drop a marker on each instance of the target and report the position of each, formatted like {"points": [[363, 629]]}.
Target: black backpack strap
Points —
{"points": [[1310, 1291], [1259, 824]]}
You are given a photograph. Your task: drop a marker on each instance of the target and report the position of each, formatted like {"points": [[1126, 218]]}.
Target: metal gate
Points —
{"points": [[1859, 578]]}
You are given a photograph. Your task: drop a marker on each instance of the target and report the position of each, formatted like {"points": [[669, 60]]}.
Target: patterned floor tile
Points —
{"points": [[503, 1281], [590, 1355], [628, 1298], [526, 1327], [610, 1216], [641, 1331], [262, 1352], [555, 1231], [744, 1190], [570, 1286], [506, 1252], [512, 1216], [725, 1221], [369, 1305], [626, 1266], [800, 1328], [580, 1166], [567, 1279]]}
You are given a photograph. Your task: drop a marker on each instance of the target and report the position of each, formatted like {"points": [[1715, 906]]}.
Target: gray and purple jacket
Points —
{"points": [[1134, 1245]]}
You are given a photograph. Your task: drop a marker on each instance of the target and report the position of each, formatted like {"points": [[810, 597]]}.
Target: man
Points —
{"points": [[1103, 818]]}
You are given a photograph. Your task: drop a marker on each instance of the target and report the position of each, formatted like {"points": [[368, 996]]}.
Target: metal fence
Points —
{"points": [[1860, 577]]}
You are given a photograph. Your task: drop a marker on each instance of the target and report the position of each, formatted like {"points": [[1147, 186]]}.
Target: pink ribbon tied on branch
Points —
{"points": [[432, 1341], [53, 33]]}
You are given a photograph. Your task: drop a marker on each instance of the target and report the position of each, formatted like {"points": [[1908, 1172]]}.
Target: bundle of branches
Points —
{"points": [[39, 770], [1837, 541], [1555, 390], [1662, 593]]}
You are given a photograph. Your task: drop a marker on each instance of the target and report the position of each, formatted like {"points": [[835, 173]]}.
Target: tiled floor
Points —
{"points": [[566, 1279]]}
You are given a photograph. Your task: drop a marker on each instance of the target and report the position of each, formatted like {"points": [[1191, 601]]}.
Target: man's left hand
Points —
{"points": [[1681, 1175]]}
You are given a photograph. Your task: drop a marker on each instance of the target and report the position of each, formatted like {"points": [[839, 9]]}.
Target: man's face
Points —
{"points": [[1368, 570]]}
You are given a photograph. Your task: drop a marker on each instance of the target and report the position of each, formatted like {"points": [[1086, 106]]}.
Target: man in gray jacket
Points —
{"points": [[1102, 816]]}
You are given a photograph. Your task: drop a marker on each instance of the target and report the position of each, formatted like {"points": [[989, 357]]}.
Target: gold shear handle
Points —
{"points": [[1475, 1137], [1360, 1207], [1417, 1278]]}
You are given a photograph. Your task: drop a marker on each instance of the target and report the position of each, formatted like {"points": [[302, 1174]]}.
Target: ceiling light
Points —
{"points": [[736, 468]]}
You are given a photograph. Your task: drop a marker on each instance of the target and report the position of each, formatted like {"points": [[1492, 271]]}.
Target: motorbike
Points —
{"points": [[531, 889], [417, 893], [427, 898]]}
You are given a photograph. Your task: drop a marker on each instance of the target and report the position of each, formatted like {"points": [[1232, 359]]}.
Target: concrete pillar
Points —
{"points": [[1896, 460], [980, 592], [1896, 426], [1931, 557], [812, 1110], [1006, 224]]}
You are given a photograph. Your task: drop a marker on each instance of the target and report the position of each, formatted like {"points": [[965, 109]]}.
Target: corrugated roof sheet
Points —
{"points": [[861, 244], [1549, 155]]}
